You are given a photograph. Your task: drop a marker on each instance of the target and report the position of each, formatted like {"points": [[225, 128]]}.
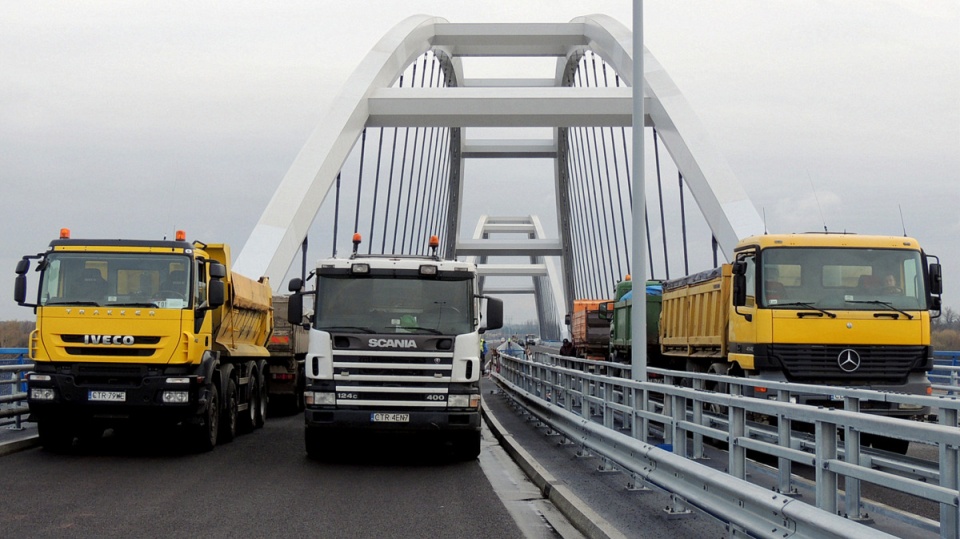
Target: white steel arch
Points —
{"points": [[368, 99]]}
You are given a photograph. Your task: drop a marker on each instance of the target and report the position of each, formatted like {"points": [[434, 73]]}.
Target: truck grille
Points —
{"points": [[417, 381], [802, 362]]}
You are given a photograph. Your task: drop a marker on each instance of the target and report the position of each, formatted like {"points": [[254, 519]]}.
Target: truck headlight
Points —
{"points": [[38, 377], [41, 394], [319, 398], [176, 397], [178, 380], [463, 401]]}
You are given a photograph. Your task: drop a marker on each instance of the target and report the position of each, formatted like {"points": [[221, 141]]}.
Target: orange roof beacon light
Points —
{"points": [[434, 243], [181, 235], [628, 278], [64, 233], [357, 238]]}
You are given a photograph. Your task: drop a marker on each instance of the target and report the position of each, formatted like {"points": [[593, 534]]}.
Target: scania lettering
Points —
{"points": [[394, 347], [144, 333]]}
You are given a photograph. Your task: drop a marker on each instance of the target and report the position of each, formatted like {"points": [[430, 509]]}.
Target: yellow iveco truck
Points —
{"points": [[829, 309], [142, 334]]}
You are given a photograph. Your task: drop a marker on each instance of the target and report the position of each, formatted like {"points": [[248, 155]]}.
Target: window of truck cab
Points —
{"points": [[847, 278], [399, 303], [120, 279]]}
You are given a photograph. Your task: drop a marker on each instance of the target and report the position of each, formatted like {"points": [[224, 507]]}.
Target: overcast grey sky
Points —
{"points": [[134, 119]]}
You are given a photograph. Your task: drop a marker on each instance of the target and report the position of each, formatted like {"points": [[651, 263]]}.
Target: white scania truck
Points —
{"points": [[394, 346]]}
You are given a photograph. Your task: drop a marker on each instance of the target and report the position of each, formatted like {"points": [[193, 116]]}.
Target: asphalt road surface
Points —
{"points": [[260, 485]]}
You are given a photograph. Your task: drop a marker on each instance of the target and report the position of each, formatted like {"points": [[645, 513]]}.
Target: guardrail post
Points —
{"points": [[949, 477], [736, 428], [851, 453], [698, 419], [784, 438], [679, 434], [826, 443]]}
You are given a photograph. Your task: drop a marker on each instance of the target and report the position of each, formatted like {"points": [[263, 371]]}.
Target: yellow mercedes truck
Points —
{"points": [[144, 333], [828, 309]]}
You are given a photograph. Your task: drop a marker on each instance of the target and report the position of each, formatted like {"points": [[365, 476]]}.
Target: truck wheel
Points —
{"points": [[248, 421], [314, 443], [55, 436], [298, 404], [228, 421], [204, 435], [261, 416], [466, 445]]}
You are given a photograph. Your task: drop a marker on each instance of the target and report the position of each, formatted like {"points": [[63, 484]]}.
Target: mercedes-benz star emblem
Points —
{"points": [[849, 360]]}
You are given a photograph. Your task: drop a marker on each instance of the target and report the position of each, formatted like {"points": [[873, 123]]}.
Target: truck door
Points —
{"points": [[744, 319]]}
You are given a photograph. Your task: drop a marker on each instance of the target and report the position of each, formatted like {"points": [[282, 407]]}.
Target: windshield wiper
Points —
{"points": [[135, 304], [77, 303], [885, 304], [806, 305], [343, 328]]}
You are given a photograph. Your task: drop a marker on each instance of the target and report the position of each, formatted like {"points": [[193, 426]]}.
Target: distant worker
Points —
{"points": [[566, 349]]}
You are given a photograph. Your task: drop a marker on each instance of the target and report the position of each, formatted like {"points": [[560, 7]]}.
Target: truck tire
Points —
{"points": [[228, 417], [55, 436], [298, 403], [314, 444], [204, 436], [261, 416], [466, 445], [247, 421]]}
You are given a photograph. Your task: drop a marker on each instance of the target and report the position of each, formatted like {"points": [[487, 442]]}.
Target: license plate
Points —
{"points": [[390, 418], [107, 396]]}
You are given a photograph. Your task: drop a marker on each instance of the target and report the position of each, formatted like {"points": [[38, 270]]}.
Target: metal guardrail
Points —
{"points": [[13, 387], [945, 375], [594, 410]]}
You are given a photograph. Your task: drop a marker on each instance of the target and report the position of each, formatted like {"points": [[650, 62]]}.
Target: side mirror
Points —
{"points": [[295, 309], [936, 304], [566, 319], [936, 279], [20, 288], [22, 266], [494, 313], [605, 311], [215, 292], [295, 284], [218, 271], [739, 268]]}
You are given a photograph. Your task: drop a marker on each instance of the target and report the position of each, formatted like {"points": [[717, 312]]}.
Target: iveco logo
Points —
{"points": [[108, 339], [392, 343], [849, 360]]}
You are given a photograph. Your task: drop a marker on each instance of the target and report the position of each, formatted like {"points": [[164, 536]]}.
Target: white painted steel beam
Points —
{"points": [[504, 148], [500, 107], [509, 39], [504, 290], [527, 247], [511, 270]]}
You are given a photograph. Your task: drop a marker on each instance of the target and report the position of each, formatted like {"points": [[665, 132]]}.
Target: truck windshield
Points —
{"points": [[842, 278], [394, 305], [149, 280]]}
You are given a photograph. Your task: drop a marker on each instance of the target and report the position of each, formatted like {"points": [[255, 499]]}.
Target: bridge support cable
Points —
{"points": [[663, 218], [376, 192], [683, 225], [363, 148], [612, 223], [336, 216]]}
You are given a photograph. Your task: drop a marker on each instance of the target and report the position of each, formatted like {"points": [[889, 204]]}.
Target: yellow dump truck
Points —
{"points": [[145, 333], [830, 309]]}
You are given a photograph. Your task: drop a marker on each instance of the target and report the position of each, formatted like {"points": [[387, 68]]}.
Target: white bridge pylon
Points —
{"points": [[370, 99], [541, 253]]}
